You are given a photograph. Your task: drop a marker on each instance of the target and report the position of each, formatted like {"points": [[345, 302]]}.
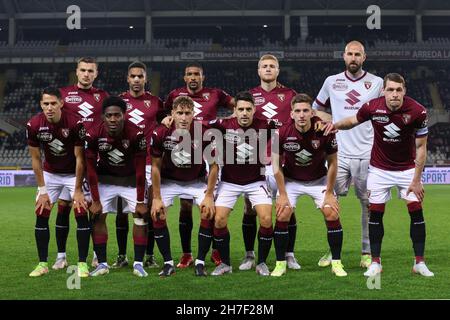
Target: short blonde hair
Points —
{"points": [[268, 57], [183, 102]]}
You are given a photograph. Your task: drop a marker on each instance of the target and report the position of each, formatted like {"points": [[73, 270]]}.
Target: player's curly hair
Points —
{"points": [[184, 102], [114, 101]]}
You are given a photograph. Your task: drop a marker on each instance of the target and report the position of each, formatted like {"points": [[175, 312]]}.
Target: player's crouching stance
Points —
{"points": [[120, 148], [304, 173], [60, 137], [177, 171], [243, 173], [397, 160]]}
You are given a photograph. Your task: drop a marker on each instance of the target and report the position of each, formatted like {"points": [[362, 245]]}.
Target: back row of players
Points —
{"points": [[121, 146]]}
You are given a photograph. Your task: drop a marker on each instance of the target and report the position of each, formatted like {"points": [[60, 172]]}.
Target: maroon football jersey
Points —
{"points": [[206, 101], [85, 104], [57, 140], [394, 147], [143, 111], [246, 162], [274, 104], [116, 155], [304, 153], [178, 162]]}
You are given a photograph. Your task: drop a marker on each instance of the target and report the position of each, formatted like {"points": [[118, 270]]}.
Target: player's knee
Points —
{"points": [[220, 222], [330, 215], [285, 215], [265, 221]]}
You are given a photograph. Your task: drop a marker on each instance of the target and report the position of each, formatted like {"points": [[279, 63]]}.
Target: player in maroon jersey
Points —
{"points": [[397, 160], [60, 138], [272, 101], [178, 169], [305, 153], [84, 102], [143, 109], [206, 103], [115, 155], [245, 140]]}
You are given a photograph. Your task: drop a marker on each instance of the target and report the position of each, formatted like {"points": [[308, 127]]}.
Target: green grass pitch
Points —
{"points": [[18, 257]]}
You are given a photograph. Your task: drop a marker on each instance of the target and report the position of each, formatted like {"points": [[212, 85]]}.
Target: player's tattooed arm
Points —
{"points": [[421, 156], [43, 200], [157, 204], [330, 199]]}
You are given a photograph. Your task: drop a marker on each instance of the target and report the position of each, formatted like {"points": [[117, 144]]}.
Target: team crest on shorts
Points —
{"points": [[281, 97], [406, 118], [367, 84], [97, 97], [65, 132], [147, 103], [126, 143], [206, 96], [315, 144]]}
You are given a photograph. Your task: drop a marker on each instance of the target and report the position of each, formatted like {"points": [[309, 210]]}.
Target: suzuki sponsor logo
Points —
{"points": [[244, 153], [303, 158], [392, 132], [57, 147], [135, 116], [85, 109], [270, 110], [352, 97], [115, 157]]}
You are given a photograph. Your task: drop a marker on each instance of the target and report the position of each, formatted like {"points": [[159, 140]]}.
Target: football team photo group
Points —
{"points": [[133, 156]]}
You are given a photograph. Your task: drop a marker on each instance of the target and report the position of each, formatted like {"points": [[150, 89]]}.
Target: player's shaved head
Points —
{"points": [[354, 44], [354, 57]]}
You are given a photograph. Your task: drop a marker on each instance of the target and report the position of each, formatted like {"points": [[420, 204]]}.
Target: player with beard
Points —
{"points": [[143, 110], [84, 102], [345, 93], [206, 103], [272, 101]]}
